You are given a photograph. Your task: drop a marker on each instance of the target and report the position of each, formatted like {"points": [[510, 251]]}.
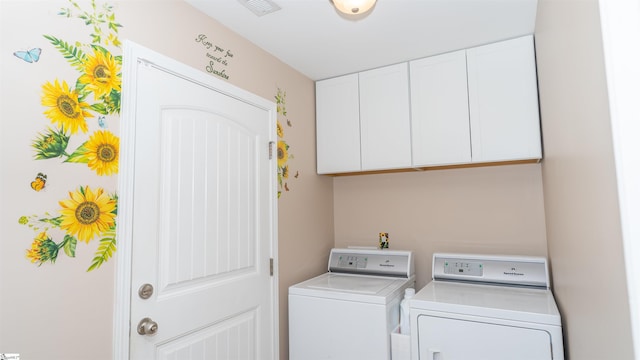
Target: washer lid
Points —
{"points": [[500, 302], [361, 288]]}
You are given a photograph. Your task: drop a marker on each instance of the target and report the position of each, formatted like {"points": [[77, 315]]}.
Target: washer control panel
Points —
{"points": [[384, 262], [352, 261]]}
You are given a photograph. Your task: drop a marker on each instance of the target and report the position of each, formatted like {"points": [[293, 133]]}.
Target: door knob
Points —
{"points": [[147, 326]]}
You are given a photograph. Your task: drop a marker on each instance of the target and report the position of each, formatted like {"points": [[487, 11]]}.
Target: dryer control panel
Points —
{"points": [[492, 269], [461, 267], [398, 263]]}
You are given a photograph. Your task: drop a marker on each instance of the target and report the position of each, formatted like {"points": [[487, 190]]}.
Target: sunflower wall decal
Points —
{"points": [[88, 213], [283, 147]]}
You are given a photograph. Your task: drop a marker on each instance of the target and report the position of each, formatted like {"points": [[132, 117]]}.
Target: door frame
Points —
{"points": [[133, 55], [620, 25]]}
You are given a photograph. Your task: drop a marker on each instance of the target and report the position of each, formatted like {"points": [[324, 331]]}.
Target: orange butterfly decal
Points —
{"points": [[39, 183]]}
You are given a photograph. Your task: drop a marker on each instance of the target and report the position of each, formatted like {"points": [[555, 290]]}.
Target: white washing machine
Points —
{"points": [[486, 308], [350, 311]]}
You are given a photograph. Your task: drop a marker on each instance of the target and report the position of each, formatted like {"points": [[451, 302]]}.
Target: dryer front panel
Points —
{"points": [[458, 339]]}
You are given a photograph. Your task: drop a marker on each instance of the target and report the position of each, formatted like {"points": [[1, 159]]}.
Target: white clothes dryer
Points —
{"points": [[486, 308], [349, 312]]}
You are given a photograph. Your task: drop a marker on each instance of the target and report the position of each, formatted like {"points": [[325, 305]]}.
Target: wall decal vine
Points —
{"points": [[88, 212], [284, 155]]}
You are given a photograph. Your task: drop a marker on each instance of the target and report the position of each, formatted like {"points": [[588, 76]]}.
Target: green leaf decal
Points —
{"points": [[79, 155], [69, 247], [53, 221], [105, 251], [74, 55]]}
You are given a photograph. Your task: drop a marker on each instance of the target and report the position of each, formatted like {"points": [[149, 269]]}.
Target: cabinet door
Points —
{"points": [[385, 133], [439, 110], [503, 101], [337, 125]]}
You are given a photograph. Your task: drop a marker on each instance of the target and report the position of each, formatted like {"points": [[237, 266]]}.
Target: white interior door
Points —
{"points": [[202, 204]]}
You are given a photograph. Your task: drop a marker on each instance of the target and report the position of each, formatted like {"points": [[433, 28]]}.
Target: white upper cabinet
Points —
{"points": [[439, 110], [385, 130], [503, 101], [338, 125], [478, 105]]}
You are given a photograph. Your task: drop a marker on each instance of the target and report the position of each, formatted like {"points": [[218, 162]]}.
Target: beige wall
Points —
{"points": [[60, 310], [486, 210], [582, 216]]}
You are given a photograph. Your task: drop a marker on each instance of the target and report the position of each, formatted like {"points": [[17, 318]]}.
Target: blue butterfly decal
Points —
{"points": [[101, 122], [30, 56]]}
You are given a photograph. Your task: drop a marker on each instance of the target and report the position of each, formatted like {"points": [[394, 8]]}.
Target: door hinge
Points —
{"points": [[271, 149], [271, 266]]}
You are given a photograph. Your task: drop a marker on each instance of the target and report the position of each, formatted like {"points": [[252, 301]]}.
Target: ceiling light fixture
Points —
{"points": [[354, 7]]}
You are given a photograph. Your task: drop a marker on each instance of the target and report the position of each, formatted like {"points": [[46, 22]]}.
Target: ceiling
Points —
{"points": [[318, 41]]}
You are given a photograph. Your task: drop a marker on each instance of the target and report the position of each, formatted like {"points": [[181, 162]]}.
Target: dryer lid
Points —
{"points": [[488, 301]]}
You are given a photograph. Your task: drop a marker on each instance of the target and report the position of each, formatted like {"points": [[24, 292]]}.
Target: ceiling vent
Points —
{"points": [[260, 7]]}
